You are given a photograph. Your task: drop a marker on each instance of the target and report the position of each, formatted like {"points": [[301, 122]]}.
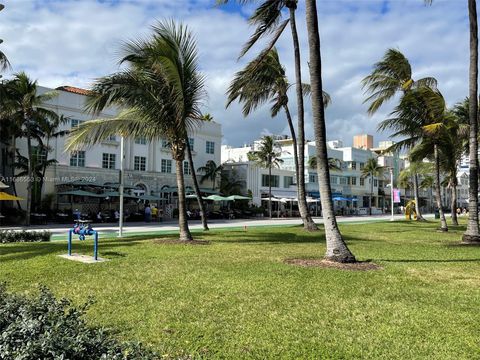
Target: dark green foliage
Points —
{"points": [[10, 236], [43, 327]]}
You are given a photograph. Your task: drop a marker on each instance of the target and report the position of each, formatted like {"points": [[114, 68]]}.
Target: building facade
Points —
{"points": [[149, 167]]}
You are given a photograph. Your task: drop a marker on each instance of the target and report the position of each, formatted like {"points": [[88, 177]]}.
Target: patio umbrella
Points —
{"points": [[194, 196], [217, 198], [7, 197], [238, 197], [3, 186]]}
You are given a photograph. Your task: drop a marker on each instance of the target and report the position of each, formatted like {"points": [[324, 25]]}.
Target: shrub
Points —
{"points": [[42, 327], [11, 236]]}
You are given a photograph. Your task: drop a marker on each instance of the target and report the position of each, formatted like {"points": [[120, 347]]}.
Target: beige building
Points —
{"points": [[363, 141]]}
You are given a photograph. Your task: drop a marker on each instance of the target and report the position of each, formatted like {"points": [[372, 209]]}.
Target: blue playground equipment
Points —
{"points": [[83, 228]]}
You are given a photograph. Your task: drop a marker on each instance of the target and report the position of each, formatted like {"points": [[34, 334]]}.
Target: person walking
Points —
{"points": [[148, 213]]}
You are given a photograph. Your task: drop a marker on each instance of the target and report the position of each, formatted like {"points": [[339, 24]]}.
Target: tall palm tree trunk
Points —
{"points": [[473, 232], [201, 205], [417, 197], [337, 249], [185, 234], [270, 190], [12, 165], [308, 223], [453, 204], [438, 193]]}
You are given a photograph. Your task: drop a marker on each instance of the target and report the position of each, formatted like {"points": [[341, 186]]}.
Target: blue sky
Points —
{"points": [[72, 42]]}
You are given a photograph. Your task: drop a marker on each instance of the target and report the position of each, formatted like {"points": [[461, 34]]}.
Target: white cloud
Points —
{"points": [[73, 42]]}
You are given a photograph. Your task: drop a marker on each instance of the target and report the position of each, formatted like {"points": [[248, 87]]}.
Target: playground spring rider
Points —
{"points": [[83, 228]]}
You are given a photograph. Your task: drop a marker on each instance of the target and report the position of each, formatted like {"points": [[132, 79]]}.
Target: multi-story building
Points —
{"points": [[149, 167], [363, 141], [351, 191]]}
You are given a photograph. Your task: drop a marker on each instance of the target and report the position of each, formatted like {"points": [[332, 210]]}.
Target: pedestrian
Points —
{"points": [[148, 213]]}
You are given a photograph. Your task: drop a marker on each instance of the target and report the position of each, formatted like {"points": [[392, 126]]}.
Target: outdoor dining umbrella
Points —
{"points": [[7, 197], [238, 197], [217, 198]]}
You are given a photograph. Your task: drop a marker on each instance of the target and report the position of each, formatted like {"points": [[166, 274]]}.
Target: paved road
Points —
{"points": [[161, 227]]}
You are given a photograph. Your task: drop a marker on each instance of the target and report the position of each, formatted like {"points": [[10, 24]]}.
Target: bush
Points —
{"points": [[43, 327], [11, 236]]}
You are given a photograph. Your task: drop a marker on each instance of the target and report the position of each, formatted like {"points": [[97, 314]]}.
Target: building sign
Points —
{"points": [[396, 195]]}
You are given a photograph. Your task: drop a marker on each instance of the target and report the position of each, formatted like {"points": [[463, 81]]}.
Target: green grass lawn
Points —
{"points": [[236, 298]]}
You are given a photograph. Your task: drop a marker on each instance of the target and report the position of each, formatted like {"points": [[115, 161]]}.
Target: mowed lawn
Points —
{"points": [[236, 298]]}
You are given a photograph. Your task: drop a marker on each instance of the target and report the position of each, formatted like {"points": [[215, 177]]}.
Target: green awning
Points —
{"points": [[117, 194]]}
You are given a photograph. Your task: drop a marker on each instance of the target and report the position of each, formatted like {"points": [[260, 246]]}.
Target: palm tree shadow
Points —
{"points": [[429, 260], [27, 251]]}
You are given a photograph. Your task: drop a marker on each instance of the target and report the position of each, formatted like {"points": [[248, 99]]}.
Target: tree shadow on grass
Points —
{"points": [[27, 251], [428, 260], [243, 237]]}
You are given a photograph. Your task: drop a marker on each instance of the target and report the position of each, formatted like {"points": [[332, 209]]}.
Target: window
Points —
{"points": [[274, 180], [343, 180], [312, 178], [165, 144], [287, 181], [166, 166], [112, 138], [140, 163], [362, 181], [362, 166], [75, 122], [191, 141], [186, 168], [108, 161], [334, 179], [41, 155], [141, 141], [354, 165], [210, 148], [77, 158], [353, 180]]}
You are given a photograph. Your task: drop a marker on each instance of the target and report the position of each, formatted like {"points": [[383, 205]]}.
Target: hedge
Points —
{"points": [[11, 236], [42, 327]]}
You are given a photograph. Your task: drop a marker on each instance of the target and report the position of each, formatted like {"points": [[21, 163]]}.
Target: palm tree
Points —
{"points": [[211, 171], [23, 103], [263, 80], [472, 234], [333, 164], [372, 170], [207, 117], [267, 18], [337, 249], [268, 156], [201, 204], [161, 91], [391, 75], [38, 166], [426, 108]]}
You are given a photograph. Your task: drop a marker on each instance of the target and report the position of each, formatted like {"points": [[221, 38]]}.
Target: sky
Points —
{"points": [[67, 42]]}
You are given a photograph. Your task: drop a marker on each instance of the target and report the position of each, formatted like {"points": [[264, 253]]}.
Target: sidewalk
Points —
{"points": [[172, 226]]}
